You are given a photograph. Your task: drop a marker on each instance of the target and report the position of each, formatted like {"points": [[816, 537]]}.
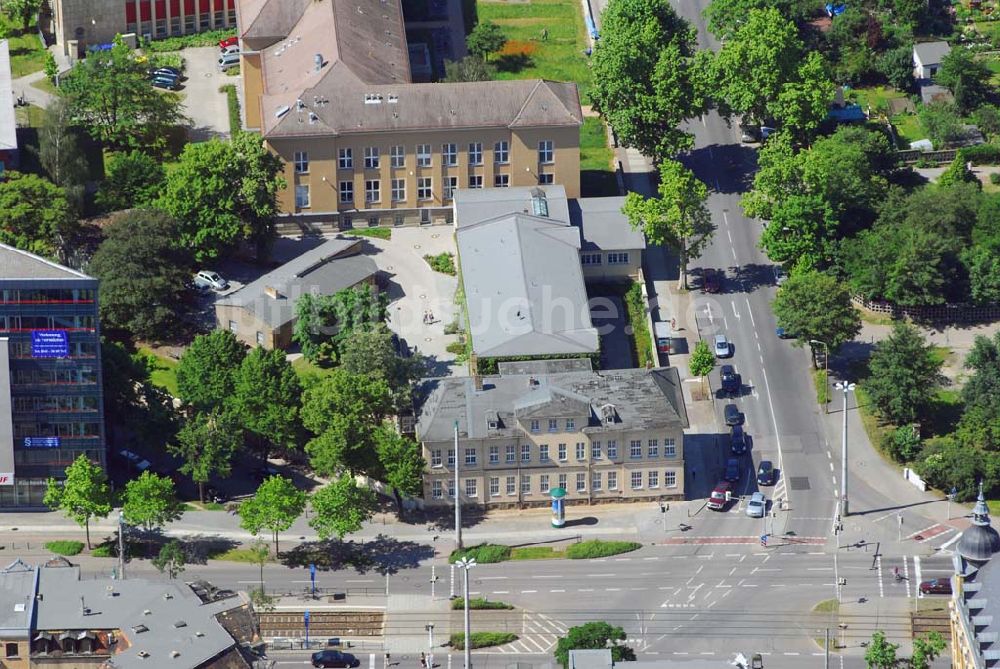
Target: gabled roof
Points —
{"points": [[551, 402], [930, 52], [18, 264]]}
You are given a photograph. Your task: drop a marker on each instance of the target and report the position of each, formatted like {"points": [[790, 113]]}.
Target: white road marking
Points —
{"points": [[750, 311], [919, 574], [878, 566], [774, 422], [906, 575]]}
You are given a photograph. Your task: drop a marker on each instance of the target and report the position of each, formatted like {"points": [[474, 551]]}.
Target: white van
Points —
{"points": [[232, 48], [228, 60]]}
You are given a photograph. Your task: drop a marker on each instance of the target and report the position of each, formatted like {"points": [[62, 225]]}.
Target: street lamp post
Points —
{"points": [[826, 370], [121, 545], [458, 496], [951, 498], [465, 564], [430, 645], [846, 387]]}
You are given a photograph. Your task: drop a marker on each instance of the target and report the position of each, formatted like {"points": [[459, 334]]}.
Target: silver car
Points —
{"points": [[206, 279], [757, 505], [779, 275], [722, 349]]}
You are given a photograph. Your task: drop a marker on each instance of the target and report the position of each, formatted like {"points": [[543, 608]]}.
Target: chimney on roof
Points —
{"points": [[318, 61], [532, 382], [477, 381], [272, 292]]}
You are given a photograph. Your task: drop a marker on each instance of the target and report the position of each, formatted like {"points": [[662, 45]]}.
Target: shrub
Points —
{"points": [[822, 386], [598, 549], [483, 553], [455, 348], [451, 328], [477, 603], [995, 178], [103, 551], [208, 38], [636, 308], [981, 154], [174, 60], [64, 547], [482, 639], [233, 103], [442, 262]]}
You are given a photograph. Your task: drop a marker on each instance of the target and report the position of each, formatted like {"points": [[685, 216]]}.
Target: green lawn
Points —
{"points": [[164, 373], [874, 96], [597, 175], [908, 129], [27, 54], [560, 56], [44, 85]]}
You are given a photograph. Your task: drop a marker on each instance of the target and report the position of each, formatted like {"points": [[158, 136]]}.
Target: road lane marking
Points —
{"points": [[528, 592], [878, 565], [481, 578], [548, 576], [906, 575], [750, 311]]}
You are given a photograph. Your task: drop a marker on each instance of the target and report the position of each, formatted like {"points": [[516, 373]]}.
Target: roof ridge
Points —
{"points": [[531, 94]]}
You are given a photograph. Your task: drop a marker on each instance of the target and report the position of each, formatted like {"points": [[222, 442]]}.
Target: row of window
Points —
{"points": [[638, 480], [56, 404], [204, 23], [597, 452], [449, 155], [47, 295], [22, 350], [56, 376], [614, 258], [15, 323], [74, 430]]}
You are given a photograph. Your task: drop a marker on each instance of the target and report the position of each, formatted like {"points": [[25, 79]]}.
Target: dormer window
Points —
{"points": [[492, 420], [373, 99], [608, 414]]}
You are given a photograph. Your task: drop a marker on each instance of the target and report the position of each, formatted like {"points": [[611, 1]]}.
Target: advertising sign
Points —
{"points": [[41, 442], [49, 344], [7, 478]]}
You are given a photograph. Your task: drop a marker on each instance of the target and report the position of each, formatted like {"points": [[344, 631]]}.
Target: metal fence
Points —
{"points": [[944, 313]]}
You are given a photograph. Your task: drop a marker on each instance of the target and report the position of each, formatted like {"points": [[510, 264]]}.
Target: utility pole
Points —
{"points": [[458, 495], [846, 387], [121, 545], [465, 564], [826, 661], [430, 645]]}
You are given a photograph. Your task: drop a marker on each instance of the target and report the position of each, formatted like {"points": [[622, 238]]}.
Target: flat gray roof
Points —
{"points": [[603, 226], [930, 53], [478, 204], [8, 120], [18, 264], [17, 599]]}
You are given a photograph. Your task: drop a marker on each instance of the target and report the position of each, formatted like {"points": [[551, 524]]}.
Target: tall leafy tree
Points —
{"points": [[802, 229], [943, 123], [171, 559], [594, 635], [133, 406], [702, 360], [59, 152], [143, 275], [401, 462], [323, 322], [35, 215], [905, 375], [926, 649], [678, 217], [134, 180], [802, 104], [206, 443], [778, 177], [983, 266], [371, 351], [646, 79], [83, 495], [206, 374], [470, 68], [150, 502], [274, 507], [485, 39], [967, 78], [23, 11], [815, 305], [260, 180], [341, 507], [881, 654], [266, 398]]}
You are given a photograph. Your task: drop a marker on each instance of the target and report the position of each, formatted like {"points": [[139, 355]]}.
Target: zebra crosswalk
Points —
{"points": [[539, 634]]}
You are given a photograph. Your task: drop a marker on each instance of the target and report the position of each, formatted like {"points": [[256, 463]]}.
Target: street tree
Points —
{"points": [[677, 218], [958, 172], [343, 410], [594, 635], [274, 507], [84, 494], [59, 152], [401, 462], [143, 275], [702, 360], [485, 39], [261, 601], [778, 177], [206, 373], [109, 92], [260, 555], [801, 232], [983, 266], [266, 398], [260, 173], [35, 215], [646, 81], [149, 501], [323, 322], [803, 103], [23, 11], [848, 170], [926, 649], [133, 406], [371, 350], [815, 305], [171, 559], [470, 68], [134, 179], [206, 443], [341, 507], [968, 79], [881, 654], [905, 375], [982, 386]]}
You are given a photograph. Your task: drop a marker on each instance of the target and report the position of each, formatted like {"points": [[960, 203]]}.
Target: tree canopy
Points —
{"points": [[149, 501], [323, 322], [905, 375], [371, 351], [266, 398], [206, 373], [815, 305], [134, 179], [594, 635], [83, 495], [485, 39], [35, 215], [274, 507], [206, 443], [341, 507]]}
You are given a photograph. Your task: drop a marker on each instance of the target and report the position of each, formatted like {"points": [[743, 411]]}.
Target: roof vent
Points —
{"points": [[199, 634], [167, 595], [180, 623], [272, 292], [393, 98], [373, 98], [300, 105], [143, 654], [19, 607], [139, 629], [284, 109], [318, 62], [360, 11], [175, 653], [313, 118], [147, 612]]}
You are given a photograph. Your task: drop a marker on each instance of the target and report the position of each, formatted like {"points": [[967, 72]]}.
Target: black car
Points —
{"points": [[732, 470], [334, 658], [731, 381], [733, 415], [167, 72], [765, 473], [737, 440]]}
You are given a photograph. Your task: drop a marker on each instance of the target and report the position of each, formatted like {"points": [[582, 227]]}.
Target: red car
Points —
{"points": [[720, 496], [228, 42], [936, 586]]}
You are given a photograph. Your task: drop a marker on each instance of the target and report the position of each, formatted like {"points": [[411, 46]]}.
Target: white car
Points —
{"points": [[208, 279], [757, 505], [779, 275], [722, 348]]}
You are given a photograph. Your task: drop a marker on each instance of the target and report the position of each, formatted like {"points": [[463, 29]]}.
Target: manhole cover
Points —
{"points": [[416, 246], [799, 482], [435, 236], [428, 339], [423, 297], [388, 268]]}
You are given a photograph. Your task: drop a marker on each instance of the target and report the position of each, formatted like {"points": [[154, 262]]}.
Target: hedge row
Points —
{"points": [[981, 154], [207, 38], [64, 547], [233, 103], [482, 639], [479, 603], [599, 549], [483, 553]]}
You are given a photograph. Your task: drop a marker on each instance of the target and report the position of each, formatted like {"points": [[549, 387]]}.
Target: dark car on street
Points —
{"points": [[732, 470], [936, 586], [765, 473], [733, 415], [731, 381], [334, 658], [737, 440], [712, 280]]}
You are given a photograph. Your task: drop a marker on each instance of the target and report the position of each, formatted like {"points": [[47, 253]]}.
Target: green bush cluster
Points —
{"points": [[598, 549], [105, 551], [64, 547], [209, 38], [635, 305], [483, 553], [442, 262], [981, 154], [995, 178], [479, 603], [482, 639], [174, 60], [233, 103]]}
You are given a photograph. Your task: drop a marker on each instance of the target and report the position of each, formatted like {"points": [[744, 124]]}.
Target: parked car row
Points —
{"points": [[165, 77]]}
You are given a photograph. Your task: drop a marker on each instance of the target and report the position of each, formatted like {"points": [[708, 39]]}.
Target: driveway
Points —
{"points": [[203, 103]]}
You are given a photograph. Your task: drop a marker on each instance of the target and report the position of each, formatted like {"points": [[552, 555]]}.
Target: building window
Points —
{"points": [[581, 482], [590, 258], [669, 448], [397, 219], [470, 456], [10, 649], [494, 455], [511, 485], [234, 327], [451, 488], [302, 196], [635, 449], [553, 425], [612, 449], [436, 458], [525, 452], [653, 479], [398, 190], [397, 155], [654, 448], [373, 190], [570, 424], [424, 188], [451, 457], [595, 450], [543, 452], [543, 483], [581, 450], [436, 489], [595, 481], [546, 155], [346, 222], [494, 486], [475, 181], [511, 455], [501, 153], [346, 191], [470, 488], [562, 481], [423, 155], [562, 452], [449, 154], [546, 178], [475, 153], [525, 484], [619, 258], [345, 159], [260, 338], [450, 186], [670, 479], [612, 480], [636, 480], [371, 157], [501, 180], [534, 425], [301, 162]]}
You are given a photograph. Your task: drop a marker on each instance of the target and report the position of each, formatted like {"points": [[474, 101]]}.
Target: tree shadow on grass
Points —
{"points": [[514, 62], [383, 555]]}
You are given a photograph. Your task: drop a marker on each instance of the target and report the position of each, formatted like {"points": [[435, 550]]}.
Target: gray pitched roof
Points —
{"points": [[478, 204], [603, 225], [642, 399], [524, 287], [18, 264], [8, 121], [326, 269], [930, 53], [17, 599]]}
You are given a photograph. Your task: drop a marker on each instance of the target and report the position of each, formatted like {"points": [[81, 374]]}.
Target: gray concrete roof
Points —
{"points": [[601, 659], [603, 225], [930, 53], [524, 287], [590, 659], [478, 204], [325, 270], [17, 599], [18, 264], [123, 605], [642, 399], [8, 121]]}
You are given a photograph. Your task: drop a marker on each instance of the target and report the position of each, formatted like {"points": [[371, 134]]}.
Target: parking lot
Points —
{"points": [[204, 105]]}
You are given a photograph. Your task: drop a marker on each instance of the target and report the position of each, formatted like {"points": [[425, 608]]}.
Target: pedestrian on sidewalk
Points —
{"points": [[423, 661]]}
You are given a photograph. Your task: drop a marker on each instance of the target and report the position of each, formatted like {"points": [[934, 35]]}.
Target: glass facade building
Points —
{"points": [[51, 406]]}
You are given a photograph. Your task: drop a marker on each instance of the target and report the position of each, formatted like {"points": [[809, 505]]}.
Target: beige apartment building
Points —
{"points": [[328, 85], [603, 437]]}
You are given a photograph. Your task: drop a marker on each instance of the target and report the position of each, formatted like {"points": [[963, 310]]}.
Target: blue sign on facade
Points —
{"points": [[49, 344], [41, 442]]}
